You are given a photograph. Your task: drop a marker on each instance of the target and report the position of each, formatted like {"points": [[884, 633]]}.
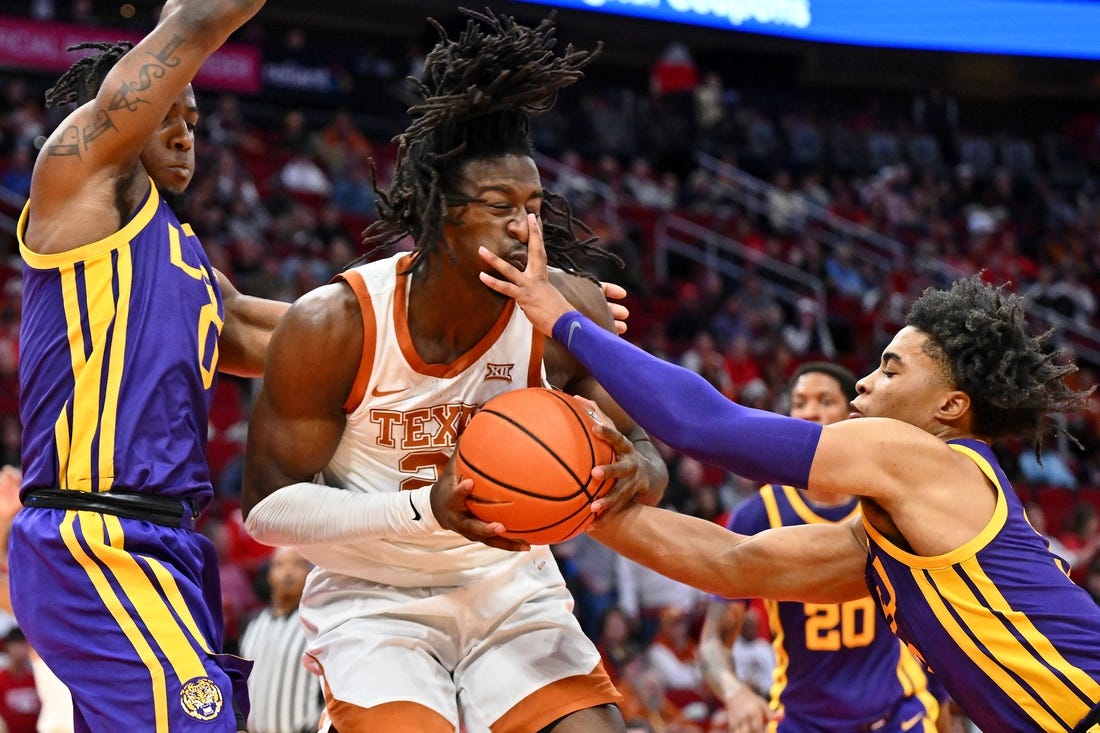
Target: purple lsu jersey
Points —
{"points": [[999, 622], [838, 666], [119, 347], [119, 344]]}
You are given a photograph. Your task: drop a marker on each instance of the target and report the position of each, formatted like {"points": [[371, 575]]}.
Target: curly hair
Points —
{"points": [[479, 91], [83, 79], [1014, 379]]}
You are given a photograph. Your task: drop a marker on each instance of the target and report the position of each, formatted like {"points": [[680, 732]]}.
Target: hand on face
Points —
{"points": [[531, 288]]}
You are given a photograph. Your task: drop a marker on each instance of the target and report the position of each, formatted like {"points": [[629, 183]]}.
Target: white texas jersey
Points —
{"points": [[404, 417]]}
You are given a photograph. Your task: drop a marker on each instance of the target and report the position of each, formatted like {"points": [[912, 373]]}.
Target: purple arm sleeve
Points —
{"points": [[686, 412]]}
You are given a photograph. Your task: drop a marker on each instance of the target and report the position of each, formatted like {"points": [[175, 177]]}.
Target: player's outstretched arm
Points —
{"points": [[668, 401], [813, 563], [109, 132], [639, 471]]}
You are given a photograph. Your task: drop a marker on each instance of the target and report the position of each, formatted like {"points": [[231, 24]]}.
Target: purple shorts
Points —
{"points": [[127, 614]]}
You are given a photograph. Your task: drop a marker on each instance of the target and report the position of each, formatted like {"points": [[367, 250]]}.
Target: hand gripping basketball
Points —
{"points": [[530, 455]]}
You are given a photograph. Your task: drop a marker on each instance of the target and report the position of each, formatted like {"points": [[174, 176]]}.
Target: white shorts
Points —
{"points": [[470, 653]]}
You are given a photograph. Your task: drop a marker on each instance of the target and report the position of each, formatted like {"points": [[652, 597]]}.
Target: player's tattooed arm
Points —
{"points": [[141, 87], [65, 143], [131, 95]]}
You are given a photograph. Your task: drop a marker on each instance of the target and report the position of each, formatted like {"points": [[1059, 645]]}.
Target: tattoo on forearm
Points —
{"points": [[68, 143], [167, 54], [101, 124], [128, 98]]}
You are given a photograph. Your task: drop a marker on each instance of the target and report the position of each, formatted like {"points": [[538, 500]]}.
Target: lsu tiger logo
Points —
{"points": [[201, 699]]}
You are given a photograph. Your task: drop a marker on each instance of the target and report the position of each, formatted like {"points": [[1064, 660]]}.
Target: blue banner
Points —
{"points": [[1057, 28]]}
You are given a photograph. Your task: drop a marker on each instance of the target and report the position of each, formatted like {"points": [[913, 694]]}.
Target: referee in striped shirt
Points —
{"points": [[285, 696]]}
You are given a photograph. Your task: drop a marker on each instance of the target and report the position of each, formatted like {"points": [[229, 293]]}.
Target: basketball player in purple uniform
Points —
{"points": [[952, 563], [839, 668], [124, 325]]}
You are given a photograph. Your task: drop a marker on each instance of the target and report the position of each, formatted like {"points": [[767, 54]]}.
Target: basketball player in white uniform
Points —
{"points": [[369, 383]]}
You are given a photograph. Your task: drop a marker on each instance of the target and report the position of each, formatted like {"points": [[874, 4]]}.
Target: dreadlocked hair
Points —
{"points": [[478, 92], [1015, 380], [82, 81]]}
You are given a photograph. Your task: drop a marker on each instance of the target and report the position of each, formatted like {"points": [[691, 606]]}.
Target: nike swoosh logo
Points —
{"points": [[905, 725], [573, 328], [384, 392], [416, 512]]}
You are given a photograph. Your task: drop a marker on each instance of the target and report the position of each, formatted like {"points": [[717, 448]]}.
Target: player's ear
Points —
{"points": [[954, 406]]}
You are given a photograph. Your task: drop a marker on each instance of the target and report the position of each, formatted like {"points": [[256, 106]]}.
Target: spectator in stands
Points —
{"points": [[672, 81], [1037, 516], [843, 272], [286, 696], [713, 106], [616, 643], [238, 597], [674, 653], [340, 143], [760, 308], [645, 188], [689, 317], [19, 704], [351, 190], [23, 121], [233, 182], [727, 323], [226, 126], [741, 363], [1081, 535], [689, 482], [611, 128], [16, 178], [302, 175], [1051, 471], [808, 336], [786, 207], [644, 594], [1091, 579], [753, 656], [1061, 288], [703, 358], [646, 703], [609, 171], [589, 569]]}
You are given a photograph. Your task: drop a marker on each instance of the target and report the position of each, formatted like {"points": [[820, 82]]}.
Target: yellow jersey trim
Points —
{"points": [[92, 250], [966, 550]]}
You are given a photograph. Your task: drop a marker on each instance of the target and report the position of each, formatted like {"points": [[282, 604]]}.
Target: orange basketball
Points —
{"points": [[531, 455]]}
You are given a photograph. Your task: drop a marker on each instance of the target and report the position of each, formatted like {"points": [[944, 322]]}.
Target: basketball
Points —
{"points": [[531, 455]]}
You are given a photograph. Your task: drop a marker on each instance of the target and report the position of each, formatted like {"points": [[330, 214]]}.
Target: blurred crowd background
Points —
{"points": [[774, 202]]}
